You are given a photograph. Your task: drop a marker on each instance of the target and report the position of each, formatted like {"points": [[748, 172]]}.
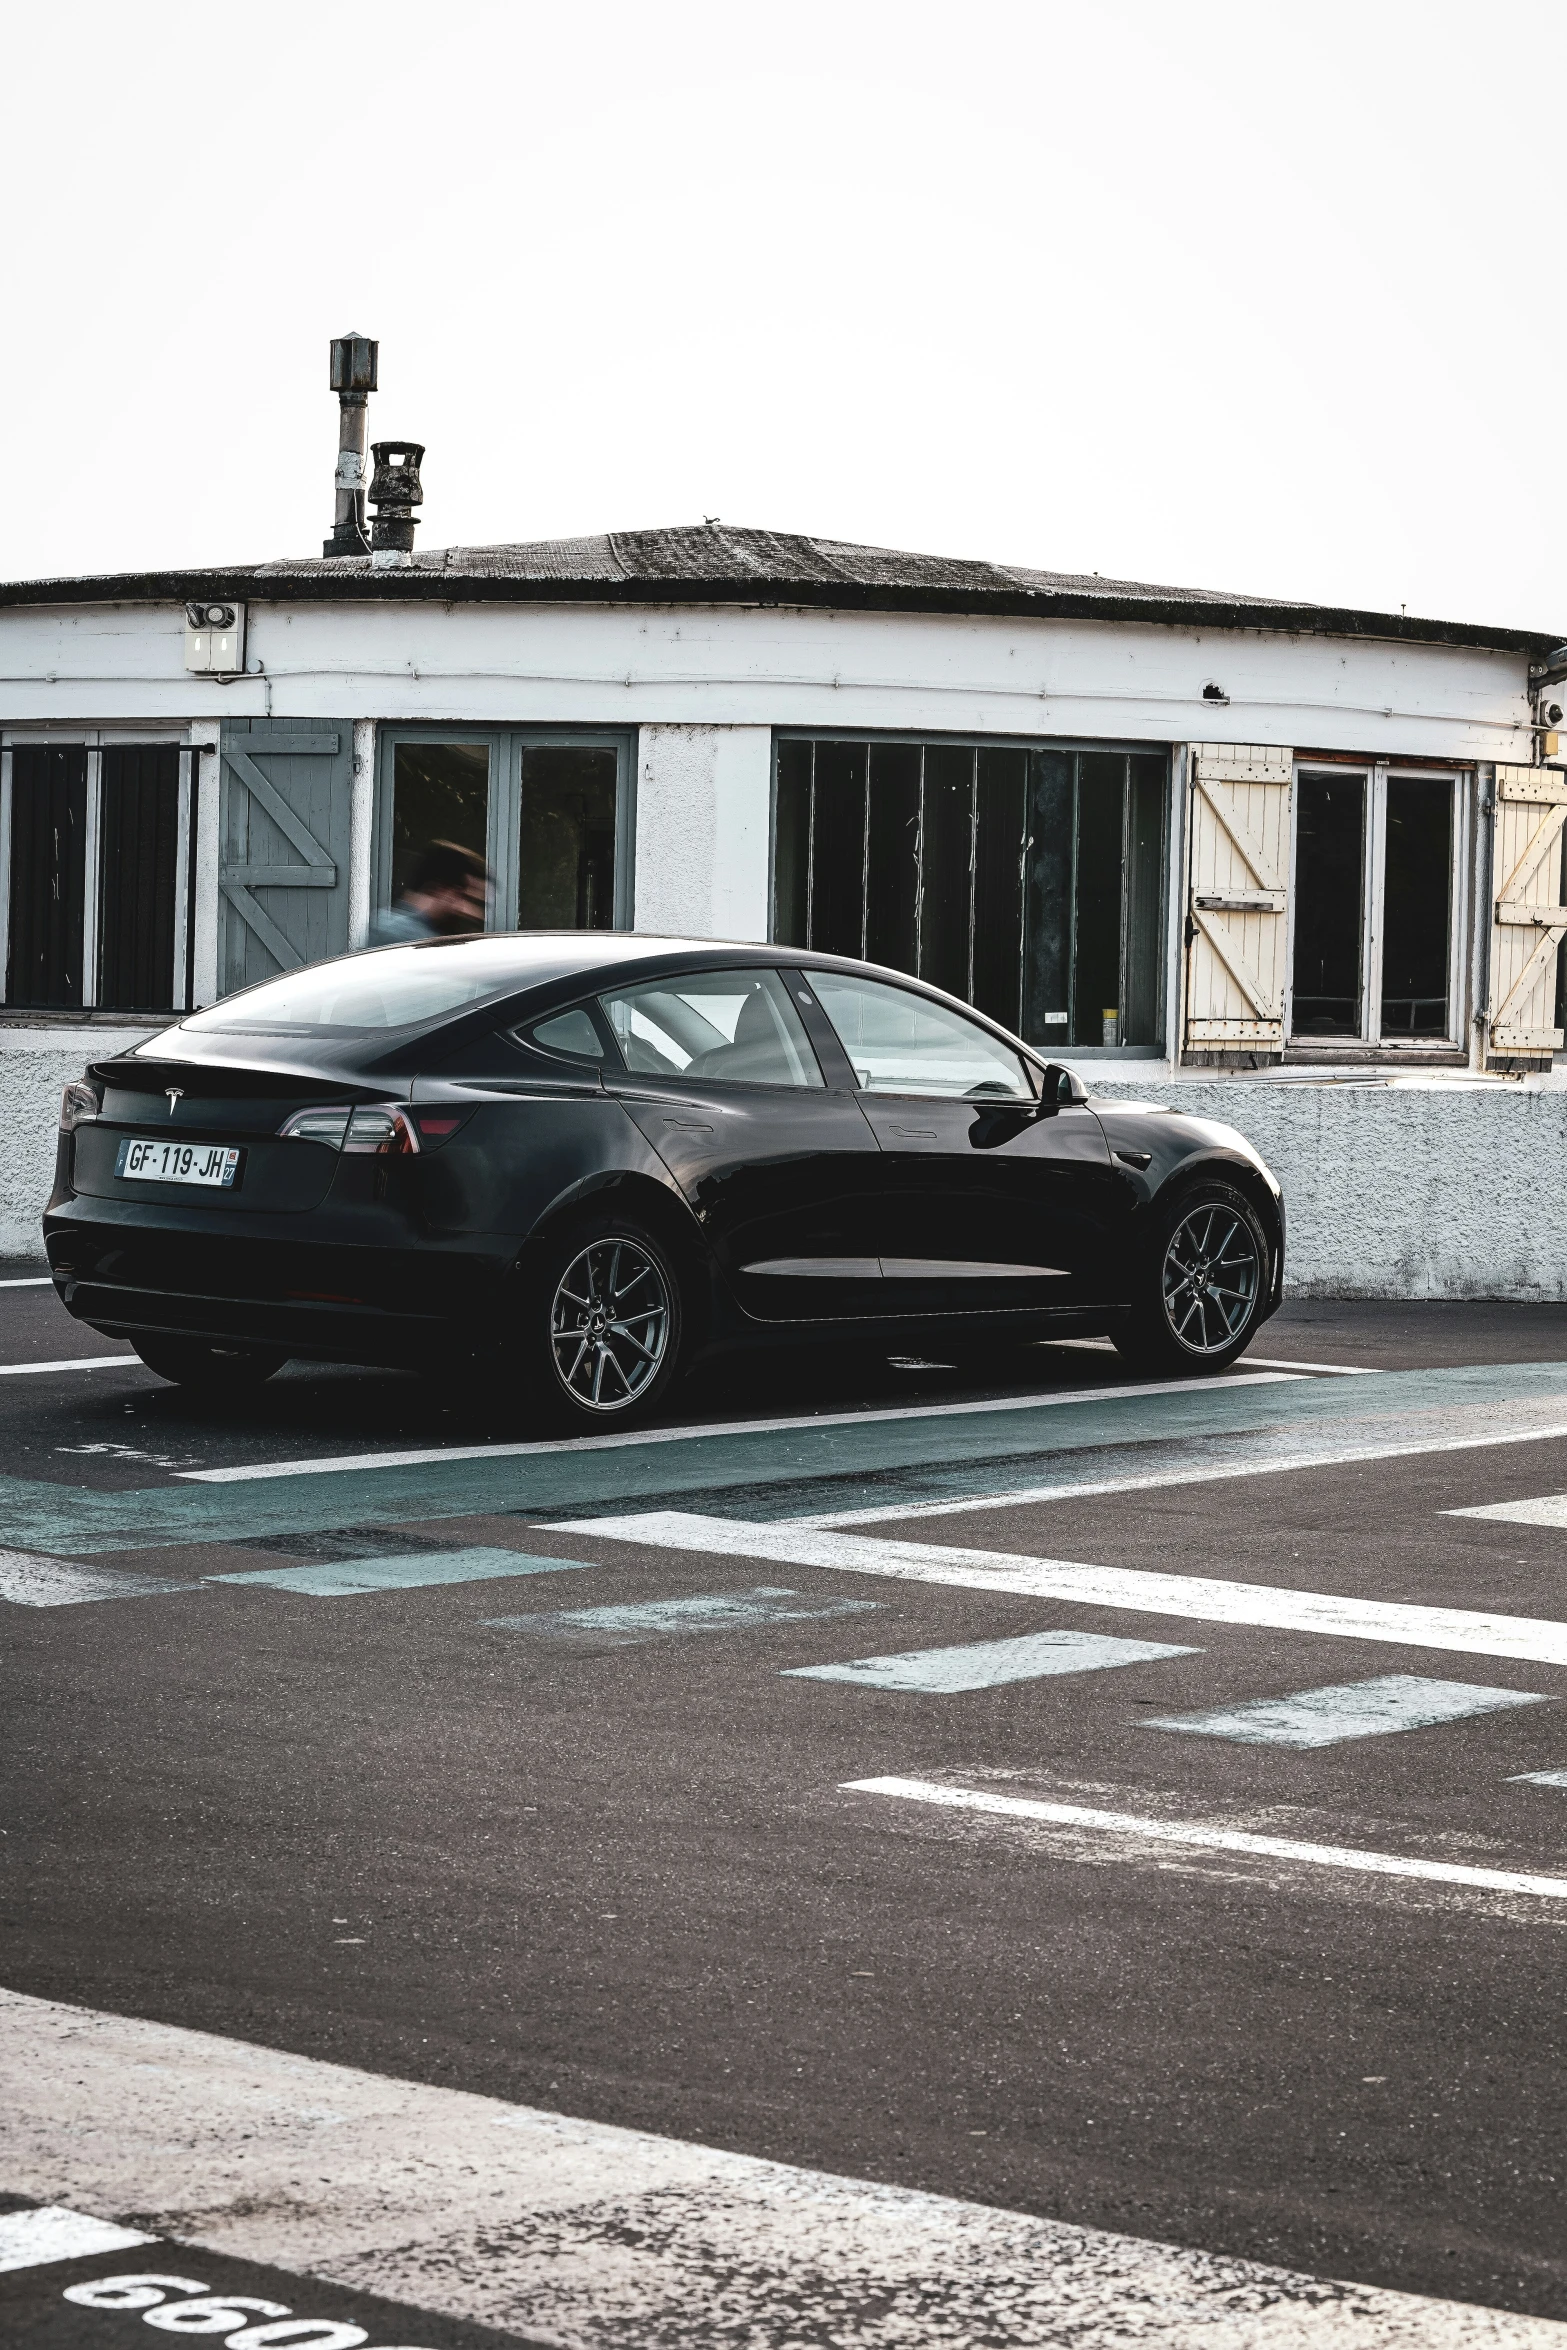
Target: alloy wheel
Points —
{"points": [[1212, 1274], [609, 1324]]}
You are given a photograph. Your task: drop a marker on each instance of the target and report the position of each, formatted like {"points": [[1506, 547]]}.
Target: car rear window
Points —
{"points": [[396, 987]]}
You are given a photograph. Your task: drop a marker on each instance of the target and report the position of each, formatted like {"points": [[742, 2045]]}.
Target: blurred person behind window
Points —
{"points": [[446, 896]]}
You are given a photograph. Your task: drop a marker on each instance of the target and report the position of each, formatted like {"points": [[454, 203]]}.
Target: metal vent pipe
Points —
{"points": [[395, 491], [354, 361]]}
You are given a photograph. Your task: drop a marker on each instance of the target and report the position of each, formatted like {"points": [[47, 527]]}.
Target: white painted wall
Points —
{"points": [[776, 666], [35, 1063], [704, 811]]}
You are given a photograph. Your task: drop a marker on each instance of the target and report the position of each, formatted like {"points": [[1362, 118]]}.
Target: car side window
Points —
{"points": [[725, 1027], [898, 1042], [572, 1032]]}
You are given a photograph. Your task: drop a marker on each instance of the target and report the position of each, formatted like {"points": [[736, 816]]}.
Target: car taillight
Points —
{"points": [[438, 1126], [79, 1104], [375, 1129]]}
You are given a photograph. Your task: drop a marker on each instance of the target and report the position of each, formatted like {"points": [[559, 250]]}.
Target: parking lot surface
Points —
{"points": [[902, 1852]]}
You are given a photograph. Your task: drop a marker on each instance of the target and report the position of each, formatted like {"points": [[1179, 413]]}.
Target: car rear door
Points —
{"points": [[780, 1166]]}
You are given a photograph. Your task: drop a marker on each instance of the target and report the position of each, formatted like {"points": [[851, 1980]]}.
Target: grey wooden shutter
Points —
{"points": [[285, 822]]}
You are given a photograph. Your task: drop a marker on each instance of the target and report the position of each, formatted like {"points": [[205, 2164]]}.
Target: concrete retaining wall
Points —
{"points": [[1451, 1190]]}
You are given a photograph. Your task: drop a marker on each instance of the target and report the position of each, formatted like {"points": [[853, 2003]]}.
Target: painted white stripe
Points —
{"points": [[1207, 1836], [72, 1363], [1322, 1370], [247, 1471], [1547, 1509], [1538, 1779], [1347, 1709], [412, 1570], [629, 1625], [31, 2239], [1201, 1598], [32, 1281], [1212, 1471], [28, 1579], [990, 1664], [591, 2237]]}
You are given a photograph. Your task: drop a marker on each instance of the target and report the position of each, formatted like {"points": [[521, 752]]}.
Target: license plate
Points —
{"points": [[213, 1163]]}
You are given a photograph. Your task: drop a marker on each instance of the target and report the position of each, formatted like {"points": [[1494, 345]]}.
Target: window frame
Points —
{"points": [[506, 745], [94, 741], [1070, 746], [1376, 774]]}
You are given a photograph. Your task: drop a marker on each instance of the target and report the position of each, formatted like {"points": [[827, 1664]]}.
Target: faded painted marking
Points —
{"points": [[657, 1619], [32, 1281], [988, 1664], [74, 1363], [1319, 1370], [1538, 1779], [409, 1571], [28, 1580], [575, 2232], [31, 2239], [1203, 1599], [1206, 1836], [1347, 1709], [1547, 1509], [248, 1472]]}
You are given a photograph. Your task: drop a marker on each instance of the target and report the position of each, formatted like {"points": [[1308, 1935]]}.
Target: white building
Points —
{"points": [[1301, 865]]}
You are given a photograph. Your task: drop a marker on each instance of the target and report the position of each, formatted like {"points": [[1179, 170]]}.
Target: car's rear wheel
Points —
{"points": [[220, 1370], [604, 1324], [1200, 1288]]}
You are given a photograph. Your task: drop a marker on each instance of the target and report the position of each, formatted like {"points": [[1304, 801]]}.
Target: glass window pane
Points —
{"points": [[48, 874], [138, 849], [792, 846], [838, 850], [440, 792], [900, 1043], [998, 885], [1096, 910], [1416, 907], [946, 867], [392, 988], [566, 837], [569, 1032], [893, 856], [1330, 831], [1047, 978], [724, 1027]]}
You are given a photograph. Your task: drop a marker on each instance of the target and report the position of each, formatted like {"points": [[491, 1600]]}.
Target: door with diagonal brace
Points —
{"points": [[286, 823]]}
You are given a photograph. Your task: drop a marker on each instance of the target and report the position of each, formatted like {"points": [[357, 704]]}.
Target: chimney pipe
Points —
{"points": [[354, 359], [394, 493]]}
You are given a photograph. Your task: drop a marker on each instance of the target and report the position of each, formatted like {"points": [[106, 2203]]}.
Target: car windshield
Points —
{"points": [[397, 987]]}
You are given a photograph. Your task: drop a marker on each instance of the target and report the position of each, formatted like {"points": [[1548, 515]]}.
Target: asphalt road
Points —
{"points": [[579, 1819]]}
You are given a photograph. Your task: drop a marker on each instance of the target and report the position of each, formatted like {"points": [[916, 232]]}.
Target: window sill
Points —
{"points": [[1325, 1054]]}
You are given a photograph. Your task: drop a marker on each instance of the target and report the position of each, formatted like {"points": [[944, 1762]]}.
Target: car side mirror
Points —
{"points": [[1060, 1088]]}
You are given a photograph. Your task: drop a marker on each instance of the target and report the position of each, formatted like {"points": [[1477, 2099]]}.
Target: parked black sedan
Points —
{"points": [[587, 1159]]}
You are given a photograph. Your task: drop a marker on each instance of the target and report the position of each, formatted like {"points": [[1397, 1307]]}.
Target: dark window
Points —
{"points": [[1330, 835], [440, 791], [566, 838], [1416, 910], [48, 875], [568, 1032], [138, 851], [1029, 883], [726, 1027]]}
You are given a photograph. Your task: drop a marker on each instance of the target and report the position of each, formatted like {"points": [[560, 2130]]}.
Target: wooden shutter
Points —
{"points": [[1529, 919], [285, 821], [1237, 923]]}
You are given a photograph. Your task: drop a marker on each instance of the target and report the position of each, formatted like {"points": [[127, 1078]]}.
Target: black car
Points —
{"points": [[586, 1159]]}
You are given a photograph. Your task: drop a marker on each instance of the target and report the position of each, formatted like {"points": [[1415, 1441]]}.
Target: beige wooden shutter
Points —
{"points": [[1529, 918], [1239, 890]]}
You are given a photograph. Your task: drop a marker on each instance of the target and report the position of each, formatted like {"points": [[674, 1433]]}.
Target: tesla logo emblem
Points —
{"points": [[176, 1093]]}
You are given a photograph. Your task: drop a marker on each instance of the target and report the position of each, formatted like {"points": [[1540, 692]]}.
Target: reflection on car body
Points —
{"points": [[591, 1159]]}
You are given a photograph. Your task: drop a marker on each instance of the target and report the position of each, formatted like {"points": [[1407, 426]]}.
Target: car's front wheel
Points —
{"points": [[1200, 1288], [604, 1324], [220, 1370]]}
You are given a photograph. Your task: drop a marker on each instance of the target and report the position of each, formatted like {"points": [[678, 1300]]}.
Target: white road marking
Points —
{"points": [[590, 2237], [1547, 1509], [989, 1664], [31, 2239], [1201, 1598], [1538, 1779], [1207, 1836], [246, 1472], [73, 1363], [413, 1570], [657, 1619], [1322, 1370], [32, 1281], [1283, 1451], [1347, 1709], [28, 1579]]}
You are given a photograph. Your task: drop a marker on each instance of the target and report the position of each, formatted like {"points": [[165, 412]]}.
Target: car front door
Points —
{"points": [[991, 1198], [780, 1166]]}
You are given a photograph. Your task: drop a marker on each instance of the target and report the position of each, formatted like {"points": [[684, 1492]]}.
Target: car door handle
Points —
{"points": [[690, 1125], [917, 1133]]}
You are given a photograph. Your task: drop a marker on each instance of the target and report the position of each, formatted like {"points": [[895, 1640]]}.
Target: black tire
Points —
{"points": [[1201, 1286], [220, 1370], [603, 1324]]}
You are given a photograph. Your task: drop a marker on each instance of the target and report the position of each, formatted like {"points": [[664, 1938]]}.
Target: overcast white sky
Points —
{"points": [[1232, 296]]}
